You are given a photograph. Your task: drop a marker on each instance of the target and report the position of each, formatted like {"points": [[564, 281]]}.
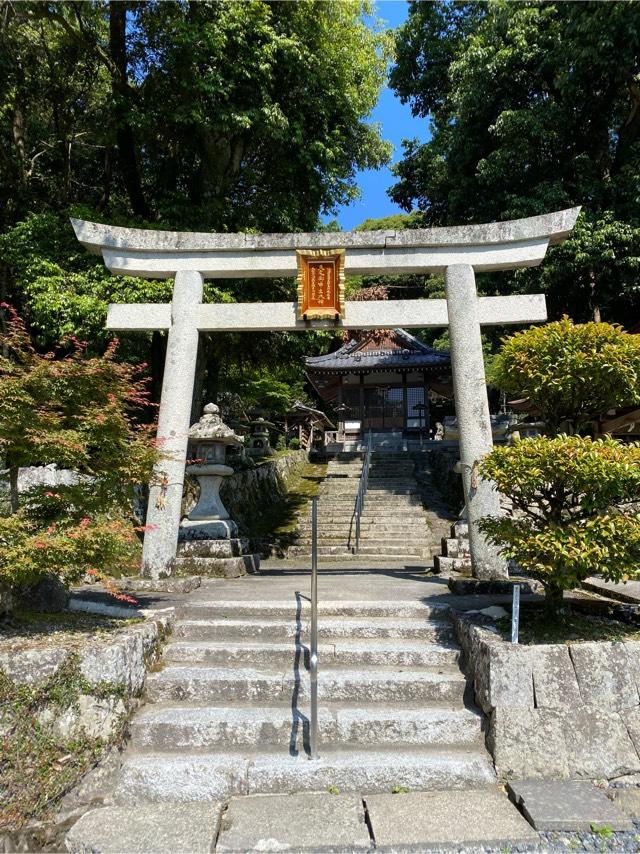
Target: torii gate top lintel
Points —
{"points": [[486, 247]]}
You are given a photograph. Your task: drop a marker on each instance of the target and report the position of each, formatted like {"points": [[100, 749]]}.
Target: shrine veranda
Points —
{"points": [[190, 258]]}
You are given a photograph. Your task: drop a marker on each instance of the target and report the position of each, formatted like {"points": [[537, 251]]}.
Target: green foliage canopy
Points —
{"points": [[238, 116], [533, 107], [570, 373]]}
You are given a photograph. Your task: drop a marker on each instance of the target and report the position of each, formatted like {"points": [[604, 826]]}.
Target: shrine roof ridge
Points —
{"points": [[554, 226]]}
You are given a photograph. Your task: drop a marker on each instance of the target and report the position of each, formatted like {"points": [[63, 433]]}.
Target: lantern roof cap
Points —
{"points": [[211, 428]]}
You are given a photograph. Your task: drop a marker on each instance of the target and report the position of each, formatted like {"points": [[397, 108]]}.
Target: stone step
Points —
{"points": [[380, 501], [333, 557], [345, 490], [341, 654], [155, 777], [381, 685], [371, 538], [287, 609], [403, 551], [178, 727], [370, 522], [333, 628]]}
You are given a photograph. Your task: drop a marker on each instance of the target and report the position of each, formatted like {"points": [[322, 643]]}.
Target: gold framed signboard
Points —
{"points": [[320, 283]]}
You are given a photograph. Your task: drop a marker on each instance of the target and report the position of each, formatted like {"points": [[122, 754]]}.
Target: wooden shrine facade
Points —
{"points": [[382, 381]]}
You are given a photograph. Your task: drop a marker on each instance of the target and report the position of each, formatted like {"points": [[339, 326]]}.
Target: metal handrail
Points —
{"points": [[362, 489], [313, 640]]}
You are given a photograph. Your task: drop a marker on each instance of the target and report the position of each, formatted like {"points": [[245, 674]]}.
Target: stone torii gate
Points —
{"points": [[191, 257]]}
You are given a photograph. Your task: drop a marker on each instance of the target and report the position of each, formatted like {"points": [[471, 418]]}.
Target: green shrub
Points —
{"points": [[570, 373], [572, 509], [294, 444]]}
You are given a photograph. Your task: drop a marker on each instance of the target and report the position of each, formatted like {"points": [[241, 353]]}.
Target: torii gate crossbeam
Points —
{"points": [[191, 257]]}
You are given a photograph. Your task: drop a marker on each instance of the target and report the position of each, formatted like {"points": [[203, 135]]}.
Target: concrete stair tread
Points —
{"points": [[374, 673], [356, 653], [355, 644], [370, 607], [216, 775], [327, 624], [172, 710]]}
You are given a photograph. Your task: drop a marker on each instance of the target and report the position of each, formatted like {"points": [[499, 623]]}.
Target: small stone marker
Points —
{"points": [[566, 805], [462, 819], [298, 823], [187, 828]]}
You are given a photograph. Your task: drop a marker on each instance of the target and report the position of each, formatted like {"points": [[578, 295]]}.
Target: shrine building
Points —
{"points": [[384, 381]]}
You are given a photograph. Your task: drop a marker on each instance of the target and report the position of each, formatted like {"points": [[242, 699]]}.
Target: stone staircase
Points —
{"points": [[228, 712], [393, 524]]}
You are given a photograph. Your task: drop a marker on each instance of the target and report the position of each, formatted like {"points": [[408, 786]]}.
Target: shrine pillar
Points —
{"points": [[174, 420], [472, 411]]}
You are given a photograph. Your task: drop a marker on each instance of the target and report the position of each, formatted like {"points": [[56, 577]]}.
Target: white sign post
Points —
{"points": [[192, 257]]}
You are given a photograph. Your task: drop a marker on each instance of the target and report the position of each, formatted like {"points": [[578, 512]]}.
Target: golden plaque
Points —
{"points": [[320, 283]]}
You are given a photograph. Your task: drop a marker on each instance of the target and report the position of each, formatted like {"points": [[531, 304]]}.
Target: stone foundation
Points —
{"points": [[556, 710], [216, 558]]}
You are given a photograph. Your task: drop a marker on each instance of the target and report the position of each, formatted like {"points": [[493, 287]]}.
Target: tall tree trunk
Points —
{"points": [[156, 364], [13, 487], [127, 155]]}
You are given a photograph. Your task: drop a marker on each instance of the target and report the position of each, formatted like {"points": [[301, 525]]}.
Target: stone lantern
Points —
{"points": [[208, 440], [259, 445]]}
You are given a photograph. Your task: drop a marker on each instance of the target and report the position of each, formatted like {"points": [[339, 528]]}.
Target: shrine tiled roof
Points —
{"points": [[401, 351]]}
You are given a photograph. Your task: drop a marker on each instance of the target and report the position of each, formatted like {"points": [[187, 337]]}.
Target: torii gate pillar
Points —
{"points": [[472, 412], [191, 257]]}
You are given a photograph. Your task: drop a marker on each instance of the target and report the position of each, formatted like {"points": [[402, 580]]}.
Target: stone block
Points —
{"points": [[297, 823], [119, 663], [598, 744], [163, 829], [529, 743], [230, 567], [97, 716], [32, 666], [214, 548], [160, 585], [510, 676], [419, 821], [554, 679], [632, 650], [631, 718], [627, 801], [604, 675], [566, 805]]}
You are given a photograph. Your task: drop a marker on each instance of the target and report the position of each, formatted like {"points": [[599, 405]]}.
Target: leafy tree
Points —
{"points": [[75, 411], [246, 115], [571, 509], [533, 107], [570, 373], [224, 116]]}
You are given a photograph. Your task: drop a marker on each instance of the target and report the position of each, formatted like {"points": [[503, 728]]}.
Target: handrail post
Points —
{"points": [[515, 614], [313, 640]]}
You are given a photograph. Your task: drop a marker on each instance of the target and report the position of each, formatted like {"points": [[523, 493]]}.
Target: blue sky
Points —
{"points": [[397, 124]]}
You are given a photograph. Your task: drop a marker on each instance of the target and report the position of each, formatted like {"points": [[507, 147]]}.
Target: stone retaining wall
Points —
{"points": [[118, 662], [555, 710], [246, 494]]}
